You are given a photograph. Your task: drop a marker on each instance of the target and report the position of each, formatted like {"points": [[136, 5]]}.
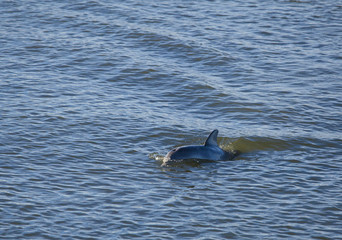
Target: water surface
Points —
{"points": [[93, 93]]}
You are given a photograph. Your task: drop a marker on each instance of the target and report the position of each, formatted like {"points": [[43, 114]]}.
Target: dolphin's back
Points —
{"points": [[209, 151], [198, 152]]}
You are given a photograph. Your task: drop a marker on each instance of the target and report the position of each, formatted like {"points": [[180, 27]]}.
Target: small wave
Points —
{"points": [[259, 144], [244, 144]]}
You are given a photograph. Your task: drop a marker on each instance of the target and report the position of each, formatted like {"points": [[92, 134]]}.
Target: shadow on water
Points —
{"points": [[186, 164]]}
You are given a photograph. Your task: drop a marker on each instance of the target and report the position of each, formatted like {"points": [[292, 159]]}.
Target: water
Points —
{"points": [[94, 93]]}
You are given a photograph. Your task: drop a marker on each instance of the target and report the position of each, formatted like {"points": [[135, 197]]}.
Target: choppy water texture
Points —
{"points": [[94, 93]]}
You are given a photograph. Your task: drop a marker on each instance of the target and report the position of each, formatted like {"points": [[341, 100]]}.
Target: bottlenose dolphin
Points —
{"points": [[209, 151]]}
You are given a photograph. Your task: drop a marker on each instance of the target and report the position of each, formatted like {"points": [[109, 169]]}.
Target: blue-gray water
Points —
{"points": [[94, 93]]}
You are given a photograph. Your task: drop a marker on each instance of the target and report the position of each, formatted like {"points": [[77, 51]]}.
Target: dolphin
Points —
{"points": [[209, 151]]}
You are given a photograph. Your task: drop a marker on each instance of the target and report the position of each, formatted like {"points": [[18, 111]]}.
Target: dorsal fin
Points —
{"points": [[212, 139]]}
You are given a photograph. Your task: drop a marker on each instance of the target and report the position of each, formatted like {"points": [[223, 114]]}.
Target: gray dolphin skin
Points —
{"points": [[209, 151]]}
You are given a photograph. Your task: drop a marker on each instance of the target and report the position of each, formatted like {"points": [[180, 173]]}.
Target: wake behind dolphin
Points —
{"points": [[209, 151]]}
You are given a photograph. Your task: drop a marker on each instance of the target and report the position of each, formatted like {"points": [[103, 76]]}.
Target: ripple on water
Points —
{"points": [[91, 89]]}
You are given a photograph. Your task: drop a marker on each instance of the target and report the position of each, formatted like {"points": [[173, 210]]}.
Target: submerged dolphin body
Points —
{"points": [[209, 151]]}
